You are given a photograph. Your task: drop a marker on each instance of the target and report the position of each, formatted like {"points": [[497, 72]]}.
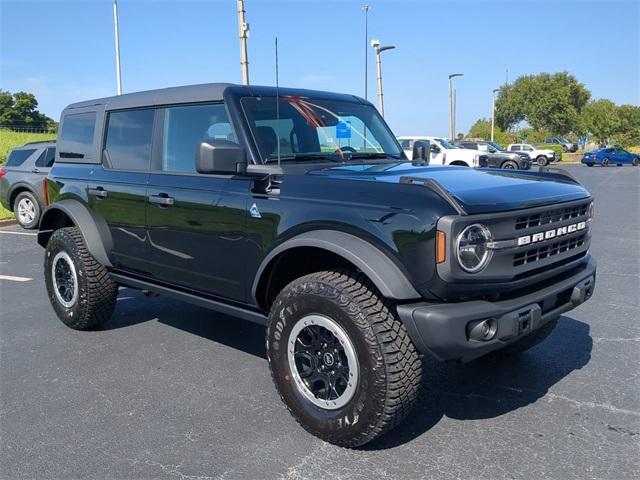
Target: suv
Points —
{"points": [[541, 156], [298, 210], [21, 177], [445, 153], [498, 158], [566, 145]]}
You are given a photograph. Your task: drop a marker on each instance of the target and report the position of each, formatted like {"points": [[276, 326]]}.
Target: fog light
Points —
{"points": [[482, 330]]}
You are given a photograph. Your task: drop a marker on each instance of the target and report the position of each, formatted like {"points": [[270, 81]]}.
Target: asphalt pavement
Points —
{"points": [[172, 391]]}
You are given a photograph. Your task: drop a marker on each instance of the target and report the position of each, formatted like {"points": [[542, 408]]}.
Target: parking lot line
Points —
{"points": [[15, 279], [30, 234]]}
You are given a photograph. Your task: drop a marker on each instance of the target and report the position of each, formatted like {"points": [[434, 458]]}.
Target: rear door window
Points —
{"points": [[46, 158], [76, 137], [128, 139], [18, 157]]}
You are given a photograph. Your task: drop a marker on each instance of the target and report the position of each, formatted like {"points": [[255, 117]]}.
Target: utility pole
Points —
{"points": [[243, 30], [376, 44], [493, 111], [454, 114], [451, 112], [117, 36], [366, 9]]}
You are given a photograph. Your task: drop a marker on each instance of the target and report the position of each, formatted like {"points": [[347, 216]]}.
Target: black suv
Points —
{"points": [[298, 210], [497, 157]]}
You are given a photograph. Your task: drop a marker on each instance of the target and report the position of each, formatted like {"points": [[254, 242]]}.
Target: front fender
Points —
{"points": [[93, 228]]}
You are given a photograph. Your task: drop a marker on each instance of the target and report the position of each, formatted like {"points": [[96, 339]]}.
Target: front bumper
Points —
{"points": [[440, 329]]}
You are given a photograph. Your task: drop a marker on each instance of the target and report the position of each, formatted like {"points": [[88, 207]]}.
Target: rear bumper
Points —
{"points": [[440, 329]]}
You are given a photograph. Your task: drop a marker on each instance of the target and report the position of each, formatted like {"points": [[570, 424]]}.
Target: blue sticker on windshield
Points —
{"points": [[343, 130]]}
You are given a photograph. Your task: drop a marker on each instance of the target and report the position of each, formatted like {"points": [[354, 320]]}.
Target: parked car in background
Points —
{"points": [[497, 158], [566, 145], [445, 153], [21, 177], [610, 156], [541, 156]]}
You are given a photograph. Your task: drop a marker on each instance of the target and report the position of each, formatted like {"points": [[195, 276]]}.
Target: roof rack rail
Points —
{"points": [[40, 141], [437, 188]]}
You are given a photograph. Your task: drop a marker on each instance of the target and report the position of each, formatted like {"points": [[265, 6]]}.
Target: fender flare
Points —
{"points": [[93, 228], [375, 264]]}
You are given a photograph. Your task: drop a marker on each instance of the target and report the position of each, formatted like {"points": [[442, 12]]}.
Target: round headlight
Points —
{"points": [[471, 248]]}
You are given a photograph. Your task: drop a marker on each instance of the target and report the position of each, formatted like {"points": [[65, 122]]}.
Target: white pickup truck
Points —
{"points": [[542, 156], [444, 153]]}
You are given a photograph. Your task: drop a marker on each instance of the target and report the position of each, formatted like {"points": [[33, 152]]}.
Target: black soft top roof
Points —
{"points": [[201, 93]]}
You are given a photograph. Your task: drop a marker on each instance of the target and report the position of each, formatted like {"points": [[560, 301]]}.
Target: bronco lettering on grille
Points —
{"points": [[553, 233]]}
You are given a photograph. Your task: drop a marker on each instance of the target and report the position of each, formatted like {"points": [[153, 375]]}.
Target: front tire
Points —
{"points": [[510, 164], [27, 210], [79, 288], [329, 319], [605, 162], [542, 161]]}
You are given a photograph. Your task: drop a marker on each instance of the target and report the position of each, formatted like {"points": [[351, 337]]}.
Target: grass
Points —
{"points": [[5, 214], [10, 139]]}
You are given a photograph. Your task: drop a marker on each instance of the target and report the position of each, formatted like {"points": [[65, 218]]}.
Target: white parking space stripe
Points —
{"points": [[30, 234], [15, 279]]}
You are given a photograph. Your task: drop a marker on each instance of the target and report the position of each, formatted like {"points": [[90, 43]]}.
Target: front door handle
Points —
{"points": [[98, 192], [162, 200], [35, 170]]}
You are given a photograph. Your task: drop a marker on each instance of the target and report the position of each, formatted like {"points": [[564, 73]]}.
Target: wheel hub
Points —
{"points": [[26, 211], [65, 280], [322, 361]]}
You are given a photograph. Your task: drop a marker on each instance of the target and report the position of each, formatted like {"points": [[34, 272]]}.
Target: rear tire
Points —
{"points": [[605, 162], [589, 164], [384, 372], [529, 341], [79, 288], [542, 161], [636, 162], [27, 210]]}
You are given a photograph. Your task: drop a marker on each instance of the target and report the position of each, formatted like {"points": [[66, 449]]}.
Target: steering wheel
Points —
{"points": [[345, 149]]}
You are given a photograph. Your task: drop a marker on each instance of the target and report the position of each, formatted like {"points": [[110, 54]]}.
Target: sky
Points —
{"points": [[64, 51]]}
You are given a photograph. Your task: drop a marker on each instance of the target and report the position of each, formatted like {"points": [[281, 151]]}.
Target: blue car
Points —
{"points": [[610, 156]]}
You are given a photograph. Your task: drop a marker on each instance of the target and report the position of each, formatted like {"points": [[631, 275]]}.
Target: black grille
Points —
{"points": [[551, 216], [546, 251]]}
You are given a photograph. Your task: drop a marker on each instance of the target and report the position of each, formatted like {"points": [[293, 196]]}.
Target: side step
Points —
{"points": [[232, 310]]}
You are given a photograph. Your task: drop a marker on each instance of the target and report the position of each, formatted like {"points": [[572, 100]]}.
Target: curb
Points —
{"points": [[7, 223]]}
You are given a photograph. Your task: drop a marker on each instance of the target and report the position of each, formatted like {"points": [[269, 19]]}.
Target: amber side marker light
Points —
{"points": [[441, 247]]}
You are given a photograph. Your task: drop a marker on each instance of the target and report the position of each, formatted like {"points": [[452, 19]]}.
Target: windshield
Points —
{"points": [[496, 146], [307, 129], [446, 145]]}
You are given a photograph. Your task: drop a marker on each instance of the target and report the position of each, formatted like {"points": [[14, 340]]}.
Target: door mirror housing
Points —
{"points": [[220, 156], [422, 151]]}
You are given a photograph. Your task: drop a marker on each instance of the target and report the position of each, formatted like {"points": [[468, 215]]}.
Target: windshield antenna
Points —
{"points": [[277, 105]]}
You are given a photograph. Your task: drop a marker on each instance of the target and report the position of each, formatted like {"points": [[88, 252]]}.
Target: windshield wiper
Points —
{"points": [[351, 156], [303, 156]]}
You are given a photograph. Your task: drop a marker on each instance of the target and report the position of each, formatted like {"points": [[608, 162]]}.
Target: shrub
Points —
{"points": [[634, 149], [555, 148]]}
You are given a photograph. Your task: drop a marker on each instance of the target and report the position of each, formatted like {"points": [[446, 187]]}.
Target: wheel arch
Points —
{"points": [[94, 229], [338, 250], [17, 189], [459, 163]]}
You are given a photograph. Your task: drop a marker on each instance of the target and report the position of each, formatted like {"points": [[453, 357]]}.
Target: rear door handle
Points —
{"points": [[98, 192], [35, 170], [162, 200]]}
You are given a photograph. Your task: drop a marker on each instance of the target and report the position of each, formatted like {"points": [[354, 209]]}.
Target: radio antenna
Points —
{"points": [[277, 104]]}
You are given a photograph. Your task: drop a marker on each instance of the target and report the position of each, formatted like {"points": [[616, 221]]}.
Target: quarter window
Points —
{"points": [[76, 137], [17, 157], [184, 129], [128, 142]]}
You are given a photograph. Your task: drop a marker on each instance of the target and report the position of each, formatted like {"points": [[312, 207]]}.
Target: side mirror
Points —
{"points": [[220, 156], [434, 148], [422, 151]]}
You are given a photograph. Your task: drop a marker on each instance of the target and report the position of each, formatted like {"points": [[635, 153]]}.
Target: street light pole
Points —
{"points": [[493, 111], [243, 30], [117, 36], [376, 44], [451, 113], [366, 9]]}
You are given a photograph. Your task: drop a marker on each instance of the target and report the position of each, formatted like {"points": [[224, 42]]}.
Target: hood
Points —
{"points": [[477, 190]]}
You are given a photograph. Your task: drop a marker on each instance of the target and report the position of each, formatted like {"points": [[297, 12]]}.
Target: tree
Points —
{"points": [[600, 119], [482, 129], [546, 101], [628, 133], [21, 109]]}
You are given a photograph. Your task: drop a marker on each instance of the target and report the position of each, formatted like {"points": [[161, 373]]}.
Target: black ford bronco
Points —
{"points": [[298, 210]]}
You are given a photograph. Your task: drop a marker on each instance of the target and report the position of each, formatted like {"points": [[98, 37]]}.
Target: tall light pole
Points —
{"points": [[376, 44], [243, 31], [493, 111], [366, 9], [117, 36], [451, 112]]}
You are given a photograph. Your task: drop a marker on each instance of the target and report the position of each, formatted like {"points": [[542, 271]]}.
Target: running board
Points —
{"points": [[215, 305]]}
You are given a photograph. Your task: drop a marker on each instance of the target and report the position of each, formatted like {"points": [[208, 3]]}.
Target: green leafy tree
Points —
{"points": [[482, 129], [628, 133], [550, 102], [21, 109], [600, 119]]}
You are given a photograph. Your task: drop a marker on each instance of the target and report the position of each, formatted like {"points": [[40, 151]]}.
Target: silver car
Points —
{"points": [[21, 181]]}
